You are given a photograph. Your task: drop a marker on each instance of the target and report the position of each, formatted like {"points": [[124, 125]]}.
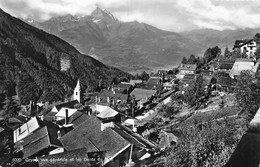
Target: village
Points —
{"points": [[134, 119]]}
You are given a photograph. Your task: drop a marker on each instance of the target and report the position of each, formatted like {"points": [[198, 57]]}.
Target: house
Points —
{"points": [[225, 65], [117, 141], [225, 84], [76, 158], [40, 142], [208, 70], [124, 87], [186, 69], [154, 84], [143, 94], [26, 129], [188, 78], [243, 64], [247, 46], [111, 97], [61, 108]]}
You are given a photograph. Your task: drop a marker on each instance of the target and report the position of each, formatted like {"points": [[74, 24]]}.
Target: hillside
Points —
{"points": [[129, 46], [40, 66], [211, 38]]}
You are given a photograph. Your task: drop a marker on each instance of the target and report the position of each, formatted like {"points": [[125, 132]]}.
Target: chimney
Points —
{"points": [[66, 116], [114, 92], [107, 125], [99, 99], [108, 99]]}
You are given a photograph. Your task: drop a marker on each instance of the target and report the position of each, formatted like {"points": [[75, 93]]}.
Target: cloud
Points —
{"points": [[177, 15]]}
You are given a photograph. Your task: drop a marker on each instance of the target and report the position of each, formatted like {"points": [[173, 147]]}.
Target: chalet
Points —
{"points": [[40, 142], [243, 64], [60, 109], [225, 66], [121, 145], [225, 84], [154, 84], [188, 78], [186, 69], [123, 87], [26, 129], [144, 94], [111, 97], [246, 46], [208, 70]]}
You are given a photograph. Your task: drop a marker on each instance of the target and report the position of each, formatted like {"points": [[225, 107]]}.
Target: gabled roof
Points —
{"points": [[238, 43], [107, 112], [69, 104], [123, 85], [112, 140], [42, 138], [89, 135], [189, 78], [226, 65], [188, 67], [26, 129], [240, 65], [142, 93], [153, 83]]}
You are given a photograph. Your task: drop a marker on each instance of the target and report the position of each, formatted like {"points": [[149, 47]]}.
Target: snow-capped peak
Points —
{"points": [[102, 13]]}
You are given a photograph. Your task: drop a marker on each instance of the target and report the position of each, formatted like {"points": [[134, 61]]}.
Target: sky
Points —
{"points": [[171, 15]]}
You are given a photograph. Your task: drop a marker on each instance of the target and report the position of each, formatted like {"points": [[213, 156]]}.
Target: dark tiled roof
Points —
{"points": [[123, 86], [88, 159], [226, 65], [69, 104], [238, 43], [37, 141], [188, 78], [153, 84], [90, 136], [134, 138], [112, 140], [226, 81], [188, 67]]}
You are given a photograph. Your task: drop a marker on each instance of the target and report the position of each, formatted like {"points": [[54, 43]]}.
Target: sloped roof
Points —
{"points": [[108, 93], [40, 139], [153, 83], [188, 67], [142, 93], [226, 65], [238, 43], [27, 128], [107, 112], [134, 138], [123, 85], [90, 136], [188, 78], [226, 81], [111, 140], [240, 65], [69, 104]]}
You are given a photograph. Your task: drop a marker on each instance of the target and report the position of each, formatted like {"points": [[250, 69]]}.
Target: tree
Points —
{"points": [[195, 93], [184, 60], [144, 76], [248, 93], [192, 59], [257, 53], [227, 53]]}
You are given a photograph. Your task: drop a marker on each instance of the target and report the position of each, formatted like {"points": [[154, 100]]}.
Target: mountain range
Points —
{"points": [[223, 39], [133, 46], [43, 67], [129, 46]]}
